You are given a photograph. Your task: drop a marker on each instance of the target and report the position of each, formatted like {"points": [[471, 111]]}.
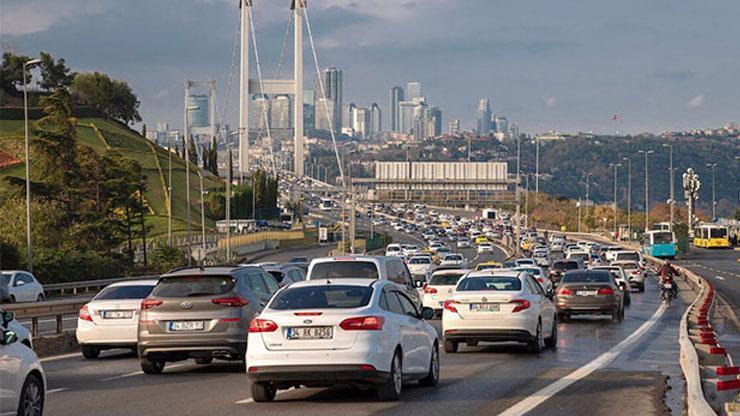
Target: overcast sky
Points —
{"points": [[566, 65]]}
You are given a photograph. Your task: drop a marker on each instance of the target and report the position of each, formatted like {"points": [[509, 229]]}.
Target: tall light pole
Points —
{"points": [[187, 168], [169, 189], [714, 190], [29, 245], [647, 189], [518, 201], [202, 214], [536, 168], [585, 217], [526, 202], [672, 201], [629, 197], [616, 165]]}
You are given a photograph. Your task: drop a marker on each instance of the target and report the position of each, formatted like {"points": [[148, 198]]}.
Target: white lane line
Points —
{"points": [[52, 391], [719, 277], [60, 357], [138, 373], [551, 390]]}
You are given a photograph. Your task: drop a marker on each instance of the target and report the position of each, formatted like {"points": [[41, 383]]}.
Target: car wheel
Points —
{"points": [[263, 392], [432, 378], [151, 366], [40, 298], [552, 341], [616, 315], [450, 347], [628, 300], [12, 298], [536, 345], [204, 360], [89, 352], [642, 288], [32, 397], [391, 389]]}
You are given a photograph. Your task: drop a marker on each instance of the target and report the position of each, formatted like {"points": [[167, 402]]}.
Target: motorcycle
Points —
{"points": [[666, 292]]}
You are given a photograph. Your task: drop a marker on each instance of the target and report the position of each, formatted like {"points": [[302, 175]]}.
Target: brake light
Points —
{"points": [[307, 313], [85, 314], [564, 291], [262, 325], [366, 367], [521, 304], [233, 301], [150, 303], [363, 323], [450, 305], [605, 291], [429, 290]]}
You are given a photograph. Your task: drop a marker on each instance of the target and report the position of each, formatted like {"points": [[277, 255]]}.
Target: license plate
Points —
{"points": [[177, 326], [667, 286], [585, 293], [117, 314], [484, 307], [311, 332]]}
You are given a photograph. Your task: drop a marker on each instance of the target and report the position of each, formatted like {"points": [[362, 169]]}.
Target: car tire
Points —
{"points": [[432, 379], [32, 397], [90, 352], [450, 347], [535, 345], [263, 392], [391, 389], [617, 315], [628, 301], [562, 317], [204, 360], [152, 366], [12, 298], [552, 341], [642, 288], [40, 298]]}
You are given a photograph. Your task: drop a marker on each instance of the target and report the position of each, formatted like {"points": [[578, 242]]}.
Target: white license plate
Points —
{"points": [[177, 326], [585, 293], [117, 314], [311, 332], [484, 307]]}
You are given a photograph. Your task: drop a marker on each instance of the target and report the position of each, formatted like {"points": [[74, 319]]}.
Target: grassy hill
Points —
{"points": [[101, 135]]}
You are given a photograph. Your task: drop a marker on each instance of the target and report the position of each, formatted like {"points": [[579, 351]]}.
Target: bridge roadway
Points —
{"points": [[644, 377]]}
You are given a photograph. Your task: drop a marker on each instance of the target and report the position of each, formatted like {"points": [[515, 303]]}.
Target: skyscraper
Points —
{"points": [[393, 109], [260, 106], [322, 121], [361, 123], [413, 90], [347, 116], [406, 117], [376, 122], [454, 127], [484, 117], [332, 80], [281, 115], [309, 110], [199, 116]]}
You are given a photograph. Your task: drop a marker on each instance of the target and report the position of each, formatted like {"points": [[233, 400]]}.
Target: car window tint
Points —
{"points": [[407, 305], [257, 284], [587, 277], [445, 279], [344, 269], [395, 273], [322, 297], [124, 292], [190, 286], [383, 302], [394, 305], [272, 285], [495, 283], [536, 286], [277, 274]]}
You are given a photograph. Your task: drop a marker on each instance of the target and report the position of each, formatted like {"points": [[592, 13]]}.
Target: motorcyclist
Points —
{"points": [[667, 273]]}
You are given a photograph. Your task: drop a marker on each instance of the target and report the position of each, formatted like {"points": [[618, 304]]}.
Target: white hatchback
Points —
{"points": [[22, 379], [499, 306], [111, 318], [440, 287], [321, 333], [484, 248]]}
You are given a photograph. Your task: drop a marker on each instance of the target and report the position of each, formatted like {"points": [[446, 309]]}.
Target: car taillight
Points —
{"points": [[450, 305], [85, 314], [262, 325], [429, 290], [541, 280], [605, 291], [363, 323], [234, 301], [564, 291], [521, 304], [150, 303]]}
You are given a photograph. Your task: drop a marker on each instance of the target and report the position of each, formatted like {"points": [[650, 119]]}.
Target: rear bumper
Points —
{"points": [[316, 375], [585, 308], [490, 335], [178, 350]]}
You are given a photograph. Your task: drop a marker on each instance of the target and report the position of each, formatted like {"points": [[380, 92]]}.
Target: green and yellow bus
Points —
{"points": [[711, 236]]}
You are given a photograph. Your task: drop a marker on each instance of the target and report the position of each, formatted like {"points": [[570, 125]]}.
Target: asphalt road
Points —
{"points": [[635, 376]]}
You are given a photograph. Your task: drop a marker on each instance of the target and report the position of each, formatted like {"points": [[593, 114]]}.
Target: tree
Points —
{"points": [[54, 74], [113, 98], [11, 73]]}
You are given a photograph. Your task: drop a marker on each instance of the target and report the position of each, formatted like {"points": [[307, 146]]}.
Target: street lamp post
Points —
{"points": [[517, 230], [672, 200], [585, 217], [187, 170], [537, 169], [629, 197], [616, 165], [647, 189], [202, 215], [169, 189], [714, 190], [29, 245]]}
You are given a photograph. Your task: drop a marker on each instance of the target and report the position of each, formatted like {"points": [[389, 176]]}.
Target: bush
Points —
{"points": [[58, 266]]}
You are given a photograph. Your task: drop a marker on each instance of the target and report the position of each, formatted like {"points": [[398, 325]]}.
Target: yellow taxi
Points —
{"points": [[481, 239], [488, 265]]}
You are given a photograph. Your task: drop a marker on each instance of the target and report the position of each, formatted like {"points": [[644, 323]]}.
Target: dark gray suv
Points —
{"points": [[201, 313]]}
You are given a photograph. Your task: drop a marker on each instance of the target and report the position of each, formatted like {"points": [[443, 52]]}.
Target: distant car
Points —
{"points": [[454, 259], [485, 248], [589, 292], [499, 306], [541, 258], [301, 262], [440, 287], [409, 249], [22, 378], [421, 266], [486, 265], [481, 239], [628, 255], [322, 333], [463, 242], [286, 274], [561, 266], [394, 250], [111, 318], [622, 280], [635, 273], [539, 275], [201, 313], [20, 286], [525, 262]]}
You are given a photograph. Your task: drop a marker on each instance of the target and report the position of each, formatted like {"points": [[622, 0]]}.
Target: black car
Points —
{"points": [[561, 266]]}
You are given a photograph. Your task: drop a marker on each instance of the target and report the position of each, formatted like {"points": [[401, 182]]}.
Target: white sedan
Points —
{"points": [[454, 260], [22, 379], [358, 331], [111, 318], [440, 287], [485, 248], [499, 306]]}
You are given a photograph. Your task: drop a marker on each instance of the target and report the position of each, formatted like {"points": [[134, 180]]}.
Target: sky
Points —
{"points": [[565, 65]]}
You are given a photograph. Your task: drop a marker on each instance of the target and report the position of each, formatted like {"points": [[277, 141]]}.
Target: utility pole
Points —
{"points": [[187, 168], [672, 201], [647, 189], [714, 190], [169, 190], [588, 175], [29, 239], [537, 169], [629, 197], [579, 214], [616, 165], [517, 230], [526, 202]]}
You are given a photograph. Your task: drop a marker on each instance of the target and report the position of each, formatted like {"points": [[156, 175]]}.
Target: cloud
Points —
{"points": [[550, 102], [22, 17], [393, 9], [696, 102]]}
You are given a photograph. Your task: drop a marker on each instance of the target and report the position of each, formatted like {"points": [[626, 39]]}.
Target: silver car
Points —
{"points": [[20, 286]]}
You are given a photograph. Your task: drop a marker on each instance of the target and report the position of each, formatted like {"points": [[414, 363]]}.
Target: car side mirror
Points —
{"points": [[550, 294], [8, 318], [19, 283], [427, 313], [418, 284], [9, 337]]}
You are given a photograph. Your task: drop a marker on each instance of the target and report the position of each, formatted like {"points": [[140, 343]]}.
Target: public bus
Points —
{"points": [[711, 236], [659, 243], [662, 226]]}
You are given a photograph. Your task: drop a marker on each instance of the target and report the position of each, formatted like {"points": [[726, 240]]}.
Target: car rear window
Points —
{"points": [[420, 260], [445, 279], [4, 279], [498, 283], [125, 292], [344, 269], [191, 286], [322, 297], [277, 274], [629, 266], [565, 265], [628, 256], [593, 277]]}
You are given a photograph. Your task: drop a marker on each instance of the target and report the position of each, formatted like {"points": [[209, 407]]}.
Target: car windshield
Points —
{"points": [[454, 257], [5, 279], [628, 256], [344, 269], [420, 260], [124, 292], [190, 286], [565, 265], [446, 279], [586, 277], [322, 297], [497, 283], [582, 256], [663, 237], [393, 248], [277, 274]]}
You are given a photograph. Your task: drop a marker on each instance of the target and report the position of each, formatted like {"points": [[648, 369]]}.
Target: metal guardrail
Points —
{"points": [[86, 286], [51, 308]]}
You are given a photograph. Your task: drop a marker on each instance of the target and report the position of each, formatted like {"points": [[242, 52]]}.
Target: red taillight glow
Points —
{"points": [[230, 319], [367, 367], [307, 313], [363, 323], [521, 304], [429, 290], [605, 291], [150, 303], [233, 301], [564, 291], [85, 314], [262, 325], [450, 305], [541, 280]]}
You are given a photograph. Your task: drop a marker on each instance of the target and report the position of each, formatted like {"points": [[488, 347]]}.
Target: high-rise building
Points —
{"points": [[309, 110], [406, 116], [322, 120], [502, 125], [413, 90], [362, 122], [376, 119], [454, 127], [397, 95], [198, 117], [484, 117], [260, 113], [332, 80], [347, 115], [281, 115]]}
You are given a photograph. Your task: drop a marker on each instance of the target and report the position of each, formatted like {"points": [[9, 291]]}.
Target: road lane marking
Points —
{"points": [[138, 373], [719, 277], [61, 389], [60, 357], [604, 359]]}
